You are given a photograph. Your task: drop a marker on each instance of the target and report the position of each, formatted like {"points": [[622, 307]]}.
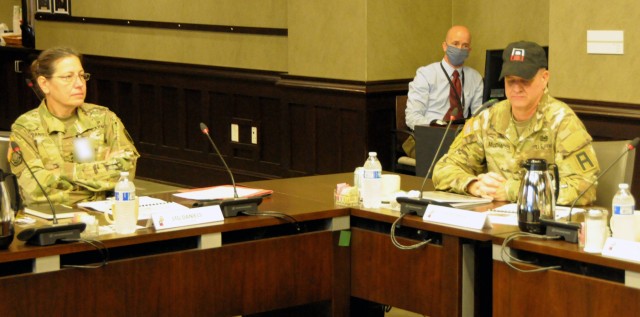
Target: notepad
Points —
{"points": [[222, 192], [147, 205], [44, 211], [560, 211], [455, 200]]}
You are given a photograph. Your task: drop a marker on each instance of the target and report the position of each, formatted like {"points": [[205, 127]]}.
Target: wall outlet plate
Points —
{"points": [[254, 135], [234, 133]]}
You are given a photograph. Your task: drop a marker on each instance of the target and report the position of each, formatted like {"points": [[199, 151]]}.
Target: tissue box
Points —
{"points": [[348, 197]]}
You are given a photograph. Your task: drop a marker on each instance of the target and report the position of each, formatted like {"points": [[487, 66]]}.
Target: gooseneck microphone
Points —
{"points": [[205, 131], [569, 230], [50, 234], [230, 207], [419, 205]]}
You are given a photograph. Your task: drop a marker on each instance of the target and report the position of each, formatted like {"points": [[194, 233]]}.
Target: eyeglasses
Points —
{"points": [[71, 78]]}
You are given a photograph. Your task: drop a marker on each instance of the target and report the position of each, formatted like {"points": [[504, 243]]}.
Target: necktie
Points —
{"points": [[454, 101]]}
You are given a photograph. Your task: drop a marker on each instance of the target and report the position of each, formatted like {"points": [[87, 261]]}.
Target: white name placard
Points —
{"points": [[456, 217], [188, 217], [622, 249]]}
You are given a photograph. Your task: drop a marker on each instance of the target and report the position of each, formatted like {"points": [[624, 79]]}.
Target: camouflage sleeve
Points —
{"points": [[464, 161], [119, 155], [48, 176], [577, 163]]}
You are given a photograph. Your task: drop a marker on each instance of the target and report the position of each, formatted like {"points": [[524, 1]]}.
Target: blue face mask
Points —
{"points": [[456, 56]]}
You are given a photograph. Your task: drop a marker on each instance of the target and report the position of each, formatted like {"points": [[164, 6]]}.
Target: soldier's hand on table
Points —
{"points": [[489, 185]]}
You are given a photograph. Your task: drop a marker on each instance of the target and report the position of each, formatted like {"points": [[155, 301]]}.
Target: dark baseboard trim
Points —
{"points": [[604, 108], [347, 86], [163, 25]]}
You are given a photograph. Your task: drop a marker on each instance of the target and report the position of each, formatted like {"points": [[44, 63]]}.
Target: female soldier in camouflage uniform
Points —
{"points": [[75, 149]]}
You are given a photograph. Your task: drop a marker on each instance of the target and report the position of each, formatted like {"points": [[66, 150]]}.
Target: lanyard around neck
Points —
{"points": [[455, 91]]}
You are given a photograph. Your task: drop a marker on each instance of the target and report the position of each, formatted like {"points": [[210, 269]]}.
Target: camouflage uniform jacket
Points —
{"points": [[490, 143], [48, 147]]}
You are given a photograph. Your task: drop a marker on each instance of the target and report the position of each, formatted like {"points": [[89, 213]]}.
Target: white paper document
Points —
{"points": [[562, 212], [222, 192], [455, 200], [147, 205]]}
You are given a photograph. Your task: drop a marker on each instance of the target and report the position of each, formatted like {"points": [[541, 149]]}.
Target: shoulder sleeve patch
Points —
{"points": [[583, 161]]}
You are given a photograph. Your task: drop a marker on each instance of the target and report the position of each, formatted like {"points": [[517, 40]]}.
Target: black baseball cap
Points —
{"points": [[522, 59]]}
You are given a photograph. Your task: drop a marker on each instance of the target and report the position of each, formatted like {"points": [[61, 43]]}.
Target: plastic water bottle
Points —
{"points": [[623, 202], [372, 182], [125, 205]]}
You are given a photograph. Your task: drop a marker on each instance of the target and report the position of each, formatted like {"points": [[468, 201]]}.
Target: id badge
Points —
{"points": [[83, 150]]}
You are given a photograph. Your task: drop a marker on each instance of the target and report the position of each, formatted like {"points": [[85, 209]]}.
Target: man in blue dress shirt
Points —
{"points": [[431, 93]]}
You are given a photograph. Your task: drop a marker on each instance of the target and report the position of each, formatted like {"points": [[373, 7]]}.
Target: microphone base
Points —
{"points": [[49, 235], [232, 207], [567, 230], [416, 206]]}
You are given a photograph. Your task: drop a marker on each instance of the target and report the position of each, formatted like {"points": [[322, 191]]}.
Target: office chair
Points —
{"points": [[621, 172], [401, 163]]}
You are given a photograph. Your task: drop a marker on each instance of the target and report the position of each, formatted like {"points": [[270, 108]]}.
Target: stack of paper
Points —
{"points": [[222, 192], [147, 205], [455, 200]]}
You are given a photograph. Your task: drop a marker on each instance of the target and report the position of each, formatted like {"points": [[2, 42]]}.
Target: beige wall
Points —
{"points": [[366, 40], [363, 40], [206, 48], [327, 38], [258, 13], [6, 12], [496, 23], [579, 75], [403, 35]]}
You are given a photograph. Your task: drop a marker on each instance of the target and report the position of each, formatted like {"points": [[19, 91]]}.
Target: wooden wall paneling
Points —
{"points": [[124, 108], [170, 116], [328, 144], [6, 98], [327, 125], [351, 126], [11, 81], [380, 121], [16, 97], [149, 123], [302, 135], [270, 133], [196, 111]]}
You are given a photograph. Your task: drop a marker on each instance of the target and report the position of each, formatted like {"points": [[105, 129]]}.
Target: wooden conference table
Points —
{"points": [[267, 267]]}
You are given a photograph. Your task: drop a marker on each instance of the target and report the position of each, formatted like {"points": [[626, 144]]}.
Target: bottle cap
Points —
{"points": [[124, 173], [373, 154], [623, 186]]}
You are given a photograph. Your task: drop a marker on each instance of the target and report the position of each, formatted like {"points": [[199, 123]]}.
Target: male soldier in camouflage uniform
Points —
{"points": [[75, 149], [486, 158]]}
